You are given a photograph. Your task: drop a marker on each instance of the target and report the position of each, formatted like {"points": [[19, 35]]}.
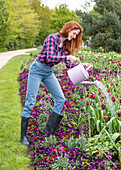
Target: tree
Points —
{"points": [[4, 24], [103, 25], [79, 13], [23, 22], [44, 15], [62, 15]]}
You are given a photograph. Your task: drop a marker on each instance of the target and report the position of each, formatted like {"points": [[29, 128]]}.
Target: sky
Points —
{"points": [[72, 4]]}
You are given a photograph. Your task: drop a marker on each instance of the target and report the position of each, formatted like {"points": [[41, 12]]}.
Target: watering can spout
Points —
{"points": [[89, 83]]}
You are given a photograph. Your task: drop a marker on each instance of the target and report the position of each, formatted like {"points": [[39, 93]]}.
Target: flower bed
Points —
{"points": [[88, 136]]}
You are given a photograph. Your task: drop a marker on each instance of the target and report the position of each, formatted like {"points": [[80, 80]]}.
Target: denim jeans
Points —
{"points": [[42, 73]]}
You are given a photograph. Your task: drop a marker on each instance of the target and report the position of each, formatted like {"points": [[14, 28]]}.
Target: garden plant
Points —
{"points": [[89, 135]]}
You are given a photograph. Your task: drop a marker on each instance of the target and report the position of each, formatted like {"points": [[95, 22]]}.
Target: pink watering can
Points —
{"points": [[79, 74]]}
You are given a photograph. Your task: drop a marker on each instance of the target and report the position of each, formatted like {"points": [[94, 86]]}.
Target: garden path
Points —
{"points": [[5, 56]]}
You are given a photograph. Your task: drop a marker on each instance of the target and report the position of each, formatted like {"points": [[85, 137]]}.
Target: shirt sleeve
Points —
{"points": [[70, 65], [50, 47]]}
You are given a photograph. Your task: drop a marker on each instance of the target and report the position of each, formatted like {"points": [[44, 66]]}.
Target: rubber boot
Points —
{"points": [[53, 121], [24, 125]]}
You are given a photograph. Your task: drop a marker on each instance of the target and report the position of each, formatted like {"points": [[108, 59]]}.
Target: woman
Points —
{"points": [[58, 47]]}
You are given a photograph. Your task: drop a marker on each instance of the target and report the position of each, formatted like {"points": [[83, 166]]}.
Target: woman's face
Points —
{"points": [[72, 34]]}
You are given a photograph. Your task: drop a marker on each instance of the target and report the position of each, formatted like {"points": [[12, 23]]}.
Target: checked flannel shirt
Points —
{"points": [[48, 54]]}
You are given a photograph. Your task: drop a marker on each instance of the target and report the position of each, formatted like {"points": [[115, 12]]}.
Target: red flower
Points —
{"points": [[61, 135], [113, 99], [49, 159], [105, 117], [40, 160], [30, 129], [69, 135], [87, 103], [96, 153], [103, 106], [111, 72], [108, 90], [54, 150], [64, 106], [53, 156], [99, 91], [92, 96], [111, 83]]}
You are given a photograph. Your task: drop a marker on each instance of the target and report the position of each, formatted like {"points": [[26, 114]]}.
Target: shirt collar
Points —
{"points": [[59, 39]]}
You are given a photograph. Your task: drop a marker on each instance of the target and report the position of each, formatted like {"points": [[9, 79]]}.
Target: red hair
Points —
{"points": [[74, 45]]}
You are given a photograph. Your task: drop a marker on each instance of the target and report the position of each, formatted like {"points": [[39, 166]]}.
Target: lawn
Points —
{"points": [[12, 153]]}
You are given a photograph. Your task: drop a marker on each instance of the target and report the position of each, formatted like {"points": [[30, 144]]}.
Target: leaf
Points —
{"points": [[111, 139], [115, 136], [108, 123], [119, 122], [94, 113], [98, 126]]}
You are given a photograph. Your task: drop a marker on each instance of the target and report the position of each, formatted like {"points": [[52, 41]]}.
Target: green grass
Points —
{"points": [[12, 153]]}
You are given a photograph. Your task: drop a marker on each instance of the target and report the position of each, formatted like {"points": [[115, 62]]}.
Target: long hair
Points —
{"points": [[75, 44]]}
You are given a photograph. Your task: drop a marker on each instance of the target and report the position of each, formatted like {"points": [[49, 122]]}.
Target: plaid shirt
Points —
{"points": [[48, 54]]}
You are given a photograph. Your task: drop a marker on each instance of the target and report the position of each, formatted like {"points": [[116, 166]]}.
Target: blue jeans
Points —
{"points": [[42, 73]]}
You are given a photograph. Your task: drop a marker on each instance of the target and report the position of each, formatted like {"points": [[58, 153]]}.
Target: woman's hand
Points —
{"points": [[87, 65], [73, 59]]}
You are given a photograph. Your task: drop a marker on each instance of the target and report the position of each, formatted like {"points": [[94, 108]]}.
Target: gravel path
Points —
{"points": [[5, 56]]}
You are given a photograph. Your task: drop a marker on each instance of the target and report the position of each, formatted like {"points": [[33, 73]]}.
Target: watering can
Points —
{"points": [[79, 74]]}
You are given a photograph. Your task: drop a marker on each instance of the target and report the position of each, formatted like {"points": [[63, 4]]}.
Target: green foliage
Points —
{"points": [[4, 24], [62, 15], [79, 142], [103, 25], [44, 16], [86, 49], [3, 49], [49, 141], [62, 164], [103, 145], [24, 24]]}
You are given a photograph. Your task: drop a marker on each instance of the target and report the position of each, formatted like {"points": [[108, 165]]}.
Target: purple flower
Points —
{"points": [[43, 104], [119, 114], [66, 128]]}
